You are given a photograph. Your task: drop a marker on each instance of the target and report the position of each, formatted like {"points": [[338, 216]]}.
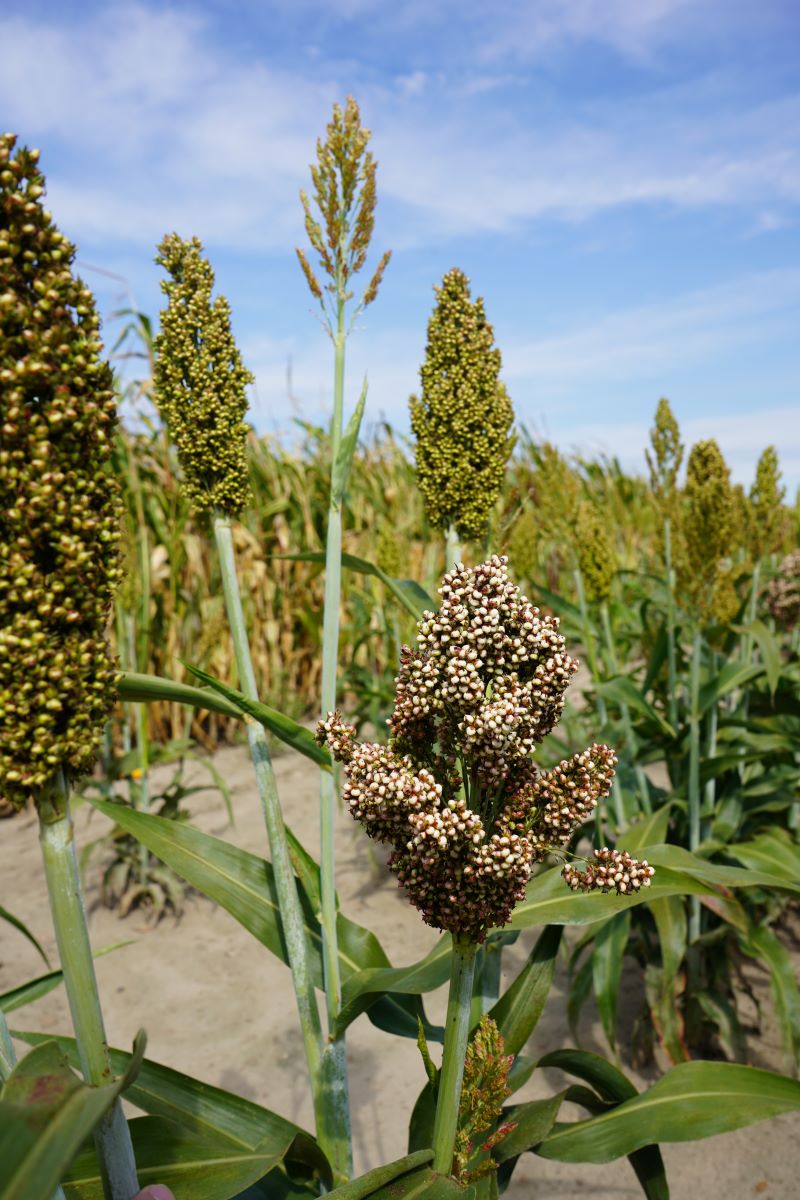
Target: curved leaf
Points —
{"points": [[194, 1168], [241, 883], [5, 915], [609, 948], [678, 859], [693, 1100], [517, 1011], [533, 1122], [623, 691], [411, 595], [34, 989], [374, 1181], [46, 1113], [138, 688], [363, 989], [291, 732]]}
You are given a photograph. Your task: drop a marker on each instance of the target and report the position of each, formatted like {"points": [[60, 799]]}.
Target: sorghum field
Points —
{"points": [[430, 802]]}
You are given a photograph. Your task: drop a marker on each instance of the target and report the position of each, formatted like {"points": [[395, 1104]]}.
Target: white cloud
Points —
{"points": [[161, 126], [651, 340]]}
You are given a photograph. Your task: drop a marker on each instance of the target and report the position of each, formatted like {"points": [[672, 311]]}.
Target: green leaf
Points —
{"points": [[141, 689], [558, 604], [622, 691], [613, 1087], [46, 1113], [204, 1111], [691, 1101], [731, 676], [533, 1123], [763, 944], [291, 732], [413, 598], [775, 851], [650, 830], [374, 1181], [580, 987], [678, 859], [609, 948], [549, 901], [669, 914], [770, 650], [34, 989], [193, 1168], [663, 991], [5, 915], [362, 989], [340, 472], [241, 883], [517, 1011]]}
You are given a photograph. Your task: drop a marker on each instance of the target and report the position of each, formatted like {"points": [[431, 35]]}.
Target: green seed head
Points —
{"points": [[595, 556], [665, 461], [200, 381], [767, 528], [462, 420], [345, 198], [709, 531], [59, 507]]}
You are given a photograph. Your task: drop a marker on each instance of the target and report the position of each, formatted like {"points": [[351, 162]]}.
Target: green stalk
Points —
{"points": [[627, 723], [747, 638], [112, 1136], [285, 885], [456, 1037], [8, 1059], [452, 550], [340, 1151], [711, 750], [672, 675], [602, 712], [694, 773]]}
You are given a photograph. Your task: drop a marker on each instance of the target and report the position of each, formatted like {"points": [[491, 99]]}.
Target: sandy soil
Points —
{"points": [[218, 1006]]}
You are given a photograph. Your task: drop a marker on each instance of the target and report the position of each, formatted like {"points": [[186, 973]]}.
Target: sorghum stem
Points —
{"points": [[452, 551], [112, 1136], [456, 1036], [285, 885], [602, 712], [672, 699], [627, 723], [694, 773], [711, 750], [8, 1058]]}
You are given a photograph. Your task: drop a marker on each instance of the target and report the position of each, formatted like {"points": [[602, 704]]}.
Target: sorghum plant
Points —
{"points": [[58, 570], [456, 793], [664, 465], [767, 531], [345, 197], [200, 386], [462, 419]]}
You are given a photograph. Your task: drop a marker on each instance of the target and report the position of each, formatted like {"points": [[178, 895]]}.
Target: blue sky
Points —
{"points": [[619, 178]]}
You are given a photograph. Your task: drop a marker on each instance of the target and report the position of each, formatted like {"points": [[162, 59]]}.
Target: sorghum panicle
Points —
{"points": [[200, 381], [709, 532], [783, 592], [665, 461], [595, 556], [59, 506], [345, 196], [610, 871], [485, 1087], [463, 417], [455, 792], [767, 526]]}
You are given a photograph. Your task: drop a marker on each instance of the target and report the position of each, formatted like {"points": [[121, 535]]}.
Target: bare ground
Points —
{"points": [[218, 1006]]}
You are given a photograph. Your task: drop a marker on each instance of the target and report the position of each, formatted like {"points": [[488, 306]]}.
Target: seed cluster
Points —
{"points": [[455, 792], [783, 593], [463, 418], [58, 502], [611, 870], [595, 556], [704, 577], [200, 381]]}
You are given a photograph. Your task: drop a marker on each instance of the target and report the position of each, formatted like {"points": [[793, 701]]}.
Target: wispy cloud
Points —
{"points": [[202, 139]]}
